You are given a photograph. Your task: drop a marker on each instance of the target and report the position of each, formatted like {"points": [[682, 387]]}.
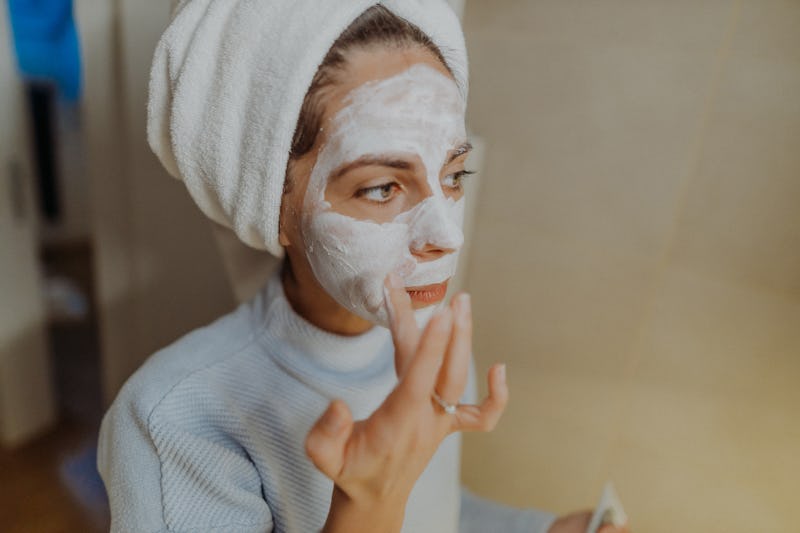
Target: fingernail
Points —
{"points": [[502, 372], [395, 282]]}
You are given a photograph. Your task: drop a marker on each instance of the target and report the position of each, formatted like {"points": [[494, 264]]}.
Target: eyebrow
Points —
{"points": [[458, 152], [399, 164], [373, 161]]}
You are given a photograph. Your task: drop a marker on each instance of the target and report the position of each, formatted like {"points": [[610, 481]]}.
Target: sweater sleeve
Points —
{"points": [[161, 477], [479, 516]]}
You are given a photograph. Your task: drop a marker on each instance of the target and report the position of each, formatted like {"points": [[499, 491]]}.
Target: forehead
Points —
{"points": [[417, 101], [365, 66], [414, 92]]}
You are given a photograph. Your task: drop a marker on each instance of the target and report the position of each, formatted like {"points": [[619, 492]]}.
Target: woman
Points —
{"points": [[296, 412]]}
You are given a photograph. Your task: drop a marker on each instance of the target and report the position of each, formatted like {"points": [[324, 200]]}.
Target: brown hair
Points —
{"points": [[377, 25]]}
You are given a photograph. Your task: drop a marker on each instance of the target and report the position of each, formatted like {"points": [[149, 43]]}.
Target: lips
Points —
{"points": [[427, 294]]}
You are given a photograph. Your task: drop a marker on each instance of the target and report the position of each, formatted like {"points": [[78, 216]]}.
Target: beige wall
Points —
{"points": [[637, 257]]}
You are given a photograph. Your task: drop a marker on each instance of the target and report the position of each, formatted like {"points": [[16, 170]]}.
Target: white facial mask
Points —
{"points": [[418, 112]]}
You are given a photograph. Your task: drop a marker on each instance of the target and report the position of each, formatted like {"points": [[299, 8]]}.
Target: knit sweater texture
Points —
{"points": [[208, 435]]}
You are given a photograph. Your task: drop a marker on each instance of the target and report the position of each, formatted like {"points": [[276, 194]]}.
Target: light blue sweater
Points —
{"points": [[208, 435]]}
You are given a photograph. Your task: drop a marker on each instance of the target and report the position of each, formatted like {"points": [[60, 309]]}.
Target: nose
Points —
{"points": [[435, 231], [430, 253]]}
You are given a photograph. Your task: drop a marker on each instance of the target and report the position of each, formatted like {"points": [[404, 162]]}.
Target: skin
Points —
{"points": [[374, 463]]}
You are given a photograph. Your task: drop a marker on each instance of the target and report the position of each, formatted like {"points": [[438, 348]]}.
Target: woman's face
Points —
{"points": [[381, 190]]}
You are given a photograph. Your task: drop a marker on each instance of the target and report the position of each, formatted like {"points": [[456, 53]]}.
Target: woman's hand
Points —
{"points": [[374, 463], [578, 522]]}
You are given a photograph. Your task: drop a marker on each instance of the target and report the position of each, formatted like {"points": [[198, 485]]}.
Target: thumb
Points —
{"points": [[326, 441]]}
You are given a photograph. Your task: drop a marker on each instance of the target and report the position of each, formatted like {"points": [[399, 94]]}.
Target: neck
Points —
{"points": [[309, 300]]}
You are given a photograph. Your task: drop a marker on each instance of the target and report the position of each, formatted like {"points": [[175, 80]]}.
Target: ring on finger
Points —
{"points": [[449, 408]]}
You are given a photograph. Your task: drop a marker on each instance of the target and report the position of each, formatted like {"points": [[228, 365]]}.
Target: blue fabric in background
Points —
{"points": [[46, 43]]}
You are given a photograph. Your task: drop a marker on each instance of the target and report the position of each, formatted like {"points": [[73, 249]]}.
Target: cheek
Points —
{"points": [[351, 259], [355, 246]]}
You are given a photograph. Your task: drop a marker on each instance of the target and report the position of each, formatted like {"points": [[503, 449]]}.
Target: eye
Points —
{"points": [[380, 194], [453, 181]]}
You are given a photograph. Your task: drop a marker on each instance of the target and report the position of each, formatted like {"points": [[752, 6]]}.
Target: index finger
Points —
{"points": [[405, 333]]}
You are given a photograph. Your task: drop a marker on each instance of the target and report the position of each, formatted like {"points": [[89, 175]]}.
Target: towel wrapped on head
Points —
{"points": [[227, 84]]}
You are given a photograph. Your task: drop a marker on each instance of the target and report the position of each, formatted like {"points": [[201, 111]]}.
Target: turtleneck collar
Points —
{"points": [[309, 349]]}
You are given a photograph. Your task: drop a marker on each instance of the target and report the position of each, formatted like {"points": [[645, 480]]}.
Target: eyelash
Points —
{"points": [[361, 193], [459, 177], [378, 188]]}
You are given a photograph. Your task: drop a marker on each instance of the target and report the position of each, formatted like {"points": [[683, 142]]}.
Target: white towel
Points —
{"points": [[227, 84]]}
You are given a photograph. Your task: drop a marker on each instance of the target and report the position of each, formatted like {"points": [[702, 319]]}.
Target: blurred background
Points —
{"points": [[634, 254]]}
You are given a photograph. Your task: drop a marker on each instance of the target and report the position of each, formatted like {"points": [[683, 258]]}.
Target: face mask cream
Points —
{"points": [[419, 113]]}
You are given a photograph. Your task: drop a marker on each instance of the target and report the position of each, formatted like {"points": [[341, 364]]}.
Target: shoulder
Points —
{"points": [[197, 356], [165, 442]]}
